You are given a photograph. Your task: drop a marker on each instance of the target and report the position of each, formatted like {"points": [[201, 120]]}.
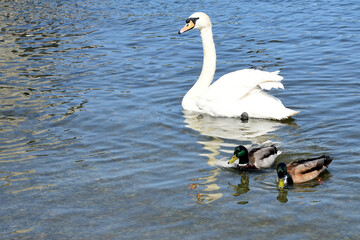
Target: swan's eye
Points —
{"points": [[191, 20]]}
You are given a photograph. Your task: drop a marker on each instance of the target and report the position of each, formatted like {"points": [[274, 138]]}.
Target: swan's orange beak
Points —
{"points": [[188, 26]]}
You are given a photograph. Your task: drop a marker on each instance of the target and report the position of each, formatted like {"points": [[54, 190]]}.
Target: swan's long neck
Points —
{"points": [[209, 60], [207, 72]]}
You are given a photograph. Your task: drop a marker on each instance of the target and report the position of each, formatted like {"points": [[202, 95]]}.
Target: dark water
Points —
{"points": [[94, 143]]}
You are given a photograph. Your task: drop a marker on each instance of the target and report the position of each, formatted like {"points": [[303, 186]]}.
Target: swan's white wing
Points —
{"points": [[241, 91], [236, 85], [272, 80]]}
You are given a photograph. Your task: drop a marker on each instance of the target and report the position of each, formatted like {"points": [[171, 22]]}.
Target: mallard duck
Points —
{"points": [[236, 92], [301, 170], [262, 157]]}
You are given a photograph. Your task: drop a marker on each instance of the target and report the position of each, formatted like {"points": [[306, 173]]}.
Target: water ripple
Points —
{"points": [[94, 143]]}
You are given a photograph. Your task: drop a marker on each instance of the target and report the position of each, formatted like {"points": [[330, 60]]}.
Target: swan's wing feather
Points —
{"points": [[241, 91], [270, 85], [238, 84], [272, 80]]}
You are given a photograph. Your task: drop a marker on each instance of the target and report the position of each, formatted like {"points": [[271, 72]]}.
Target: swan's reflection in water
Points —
{"points": [[254, 131], [227, 133], [207, 186]]}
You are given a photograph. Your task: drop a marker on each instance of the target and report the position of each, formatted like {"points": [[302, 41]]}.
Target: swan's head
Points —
{"points": [[197, 20]]}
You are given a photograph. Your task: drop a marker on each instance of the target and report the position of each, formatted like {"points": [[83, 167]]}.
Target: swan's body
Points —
{"points": [[234, 93]]}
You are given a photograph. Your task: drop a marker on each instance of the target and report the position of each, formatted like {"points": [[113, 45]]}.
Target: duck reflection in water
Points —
{"points": [[243, 187], [282, 196]]}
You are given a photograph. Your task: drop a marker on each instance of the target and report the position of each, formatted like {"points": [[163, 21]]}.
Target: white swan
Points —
{"points": [[234, 93]]}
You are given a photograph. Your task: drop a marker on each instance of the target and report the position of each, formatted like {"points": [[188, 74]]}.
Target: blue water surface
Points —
{"points": [[94, 143]]}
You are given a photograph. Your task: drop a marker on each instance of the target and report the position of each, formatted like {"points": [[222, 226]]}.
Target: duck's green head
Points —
{"points": [[281, 172], [241, 153]]}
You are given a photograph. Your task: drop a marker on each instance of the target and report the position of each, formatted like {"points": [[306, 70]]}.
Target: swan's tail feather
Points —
{"points": [[271, 80], [289, 113], [270, 85]]}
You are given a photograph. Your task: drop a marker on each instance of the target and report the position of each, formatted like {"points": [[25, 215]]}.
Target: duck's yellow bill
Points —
{"points": [[233, 159], [281, 183]]}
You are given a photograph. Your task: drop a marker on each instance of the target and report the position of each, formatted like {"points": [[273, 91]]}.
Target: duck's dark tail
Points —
{"points": [[327, 160]]}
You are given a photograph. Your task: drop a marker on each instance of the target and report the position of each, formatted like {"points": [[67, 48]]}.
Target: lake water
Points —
{"points": [[94, 143]]}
